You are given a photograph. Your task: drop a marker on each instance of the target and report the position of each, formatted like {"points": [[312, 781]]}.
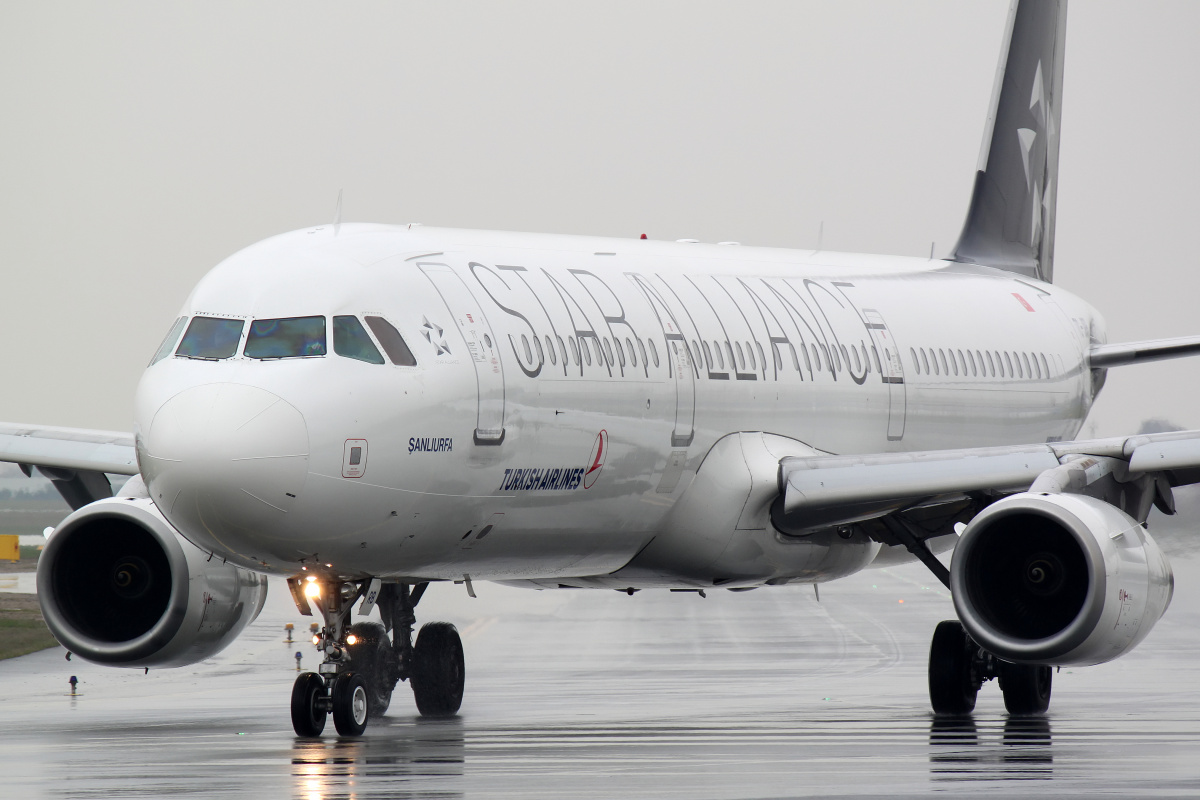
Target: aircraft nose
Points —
{"points": [[225, 459]]}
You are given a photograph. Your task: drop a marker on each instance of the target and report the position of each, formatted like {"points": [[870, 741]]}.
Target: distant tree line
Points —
{"points": [[45, 492]]}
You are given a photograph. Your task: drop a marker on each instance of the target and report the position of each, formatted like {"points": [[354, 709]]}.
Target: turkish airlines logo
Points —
{"points": [[596, 459], [540, 479]]}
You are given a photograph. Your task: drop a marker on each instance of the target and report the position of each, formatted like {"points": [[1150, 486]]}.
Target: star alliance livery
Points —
{"points": [[364, 409]]}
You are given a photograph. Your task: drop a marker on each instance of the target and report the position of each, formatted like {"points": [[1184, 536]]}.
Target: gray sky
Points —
{"points": [[143, 142]]}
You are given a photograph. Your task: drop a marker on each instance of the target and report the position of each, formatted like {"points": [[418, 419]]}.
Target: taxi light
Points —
{"points": [[312, 590], [352, 639], [316, 639]]}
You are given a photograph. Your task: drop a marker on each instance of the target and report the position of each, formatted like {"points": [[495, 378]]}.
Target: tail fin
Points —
{"points": [[1010, 223]]}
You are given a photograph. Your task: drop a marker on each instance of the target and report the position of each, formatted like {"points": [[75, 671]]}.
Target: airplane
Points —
{"points": [[365, 409]]}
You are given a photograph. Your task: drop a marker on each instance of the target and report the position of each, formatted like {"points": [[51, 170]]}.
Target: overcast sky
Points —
{"points": [[144, 142]]}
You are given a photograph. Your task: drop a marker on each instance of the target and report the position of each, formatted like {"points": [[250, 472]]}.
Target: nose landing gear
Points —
{"points": [[361, 668]]}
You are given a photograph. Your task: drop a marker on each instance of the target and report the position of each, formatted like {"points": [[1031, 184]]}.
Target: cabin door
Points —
{"points": [[892, 372], [481, 348]]}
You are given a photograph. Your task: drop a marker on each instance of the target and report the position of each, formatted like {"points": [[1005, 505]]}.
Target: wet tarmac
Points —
{"points": [[595, 694]]}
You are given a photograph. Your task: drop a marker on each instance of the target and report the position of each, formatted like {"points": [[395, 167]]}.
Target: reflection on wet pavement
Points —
{"points": [[599, 695]]}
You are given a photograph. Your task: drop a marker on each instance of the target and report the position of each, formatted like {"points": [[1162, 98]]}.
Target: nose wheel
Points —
{"points": [[361, 668]]}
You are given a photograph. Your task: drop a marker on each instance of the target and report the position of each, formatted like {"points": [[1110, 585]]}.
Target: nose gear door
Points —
{"points": [[481, 346]]}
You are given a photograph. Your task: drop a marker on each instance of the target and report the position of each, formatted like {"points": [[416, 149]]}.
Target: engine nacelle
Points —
{"points": [[119, 586], [1059, 579]]}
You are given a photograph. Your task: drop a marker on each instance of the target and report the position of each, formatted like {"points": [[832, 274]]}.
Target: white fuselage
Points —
{"points": [[566, 390]]}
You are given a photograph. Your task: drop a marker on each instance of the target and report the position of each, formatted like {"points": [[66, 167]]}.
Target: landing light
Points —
{"points": [[316, 639], [312, 590], [352, 639]]}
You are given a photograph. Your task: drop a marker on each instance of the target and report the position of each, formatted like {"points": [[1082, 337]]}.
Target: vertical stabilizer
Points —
{"points": [[1010, 223]]}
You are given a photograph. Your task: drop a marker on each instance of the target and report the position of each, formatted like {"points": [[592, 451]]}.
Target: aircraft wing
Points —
{"points": [[1118, 355], [835, 489], [77, 460]]}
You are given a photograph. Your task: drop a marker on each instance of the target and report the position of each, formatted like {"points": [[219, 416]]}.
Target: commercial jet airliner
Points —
{"points": [[364, 409]]}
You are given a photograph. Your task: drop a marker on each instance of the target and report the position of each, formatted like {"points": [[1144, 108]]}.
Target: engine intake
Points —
{"points": [[1058, 579], [119, 586]]}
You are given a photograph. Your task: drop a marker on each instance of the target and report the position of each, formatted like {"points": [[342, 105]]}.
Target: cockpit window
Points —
{"points": [[392, 341], [168, 343], [350, 339], [291, 337], [210, 338]]}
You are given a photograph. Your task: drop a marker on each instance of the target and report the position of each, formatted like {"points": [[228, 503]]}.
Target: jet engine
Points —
{"points": [[119, 586], [1060, 579]]}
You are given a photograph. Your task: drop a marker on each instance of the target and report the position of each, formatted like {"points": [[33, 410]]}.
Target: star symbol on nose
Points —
{"points": [[434, 334]]}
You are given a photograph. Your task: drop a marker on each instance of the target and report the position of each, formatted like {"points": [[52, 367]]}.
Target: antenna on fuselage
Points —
{"points": [[337, 214]]}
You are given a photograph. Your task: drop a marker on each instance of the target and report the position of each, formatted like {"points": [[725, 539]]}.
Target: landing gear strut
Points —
{"points": [[958, 667], [434, 666], [361, 668]]}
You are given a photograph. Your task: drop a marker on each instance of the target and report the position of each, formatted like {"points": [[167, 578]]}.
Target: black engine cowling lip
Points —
{"points": [[131, 652], [1039, 651]]}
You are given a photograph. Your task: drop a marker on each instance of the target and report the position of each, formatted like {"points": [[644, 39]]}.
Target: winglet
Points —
{"points": [[1010, 222]]}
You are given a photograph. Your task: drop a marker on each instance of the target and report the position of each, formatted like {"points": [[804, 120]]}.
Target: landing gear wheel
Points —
{"points": [[438, 670], [952, 688], [372, 658], [308, 712], [350, 704], [1026, 688]]}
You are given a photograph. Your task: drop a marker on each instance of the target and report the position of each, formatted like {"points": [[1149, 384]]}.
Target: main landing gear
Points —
{"points": [[958, 668], [362, 666]]}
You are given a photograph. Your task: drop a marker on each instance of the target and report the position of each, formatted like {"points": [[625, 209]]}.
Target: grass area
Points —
{"points": [[22, 630]]}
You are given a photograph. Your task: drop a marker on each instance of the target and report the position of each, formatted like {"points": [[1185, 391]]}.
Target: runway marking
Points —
{"points": [[477, 627]]}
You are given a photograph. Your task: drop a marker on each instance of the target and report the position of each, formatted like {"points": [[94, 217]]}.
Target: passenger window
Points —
{"points": [[550, 350], [803, 349], [562, 349], [991, 367], [642, 351], [350, 340], [1025, 361], [653, 351], [971, 359], [528, 352], [393, 343], [1008, 366], [211, 338], [290, 337], [750, 356], [537, 345], [741, 356], [816, 357], [1045, 365], [916, 364], [632, 352], [857, 360], [168, 342], [575, 351], [762, 357], [779, 358], [608, 350], [925, 361], [587, 350], [620, 352]]}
